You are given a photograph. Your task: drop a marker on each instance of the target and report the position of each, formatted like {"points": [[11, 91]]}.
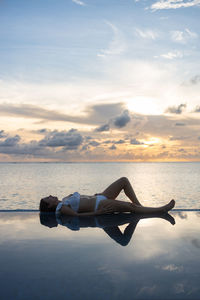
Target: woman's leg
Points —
{"points": [[113, 190], [109, 206]]}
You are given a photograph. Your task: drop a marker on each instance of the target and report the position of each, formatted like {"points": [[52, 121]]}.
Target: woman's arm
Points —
{"points": [[100, 211], [66, 210]]}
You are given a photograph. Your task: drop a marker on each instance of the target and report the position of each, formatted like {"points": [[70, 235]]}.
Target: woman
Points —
{"points": [[103, 203]]}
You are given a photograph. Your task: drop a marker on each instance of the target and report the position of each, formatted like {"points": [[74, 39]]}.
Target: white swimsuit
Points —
{"points": [[74, 201]]}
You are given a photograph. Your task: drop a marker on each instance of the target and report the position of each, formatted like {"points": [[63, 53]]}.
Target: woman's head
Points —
{"points": [[48, 204]]}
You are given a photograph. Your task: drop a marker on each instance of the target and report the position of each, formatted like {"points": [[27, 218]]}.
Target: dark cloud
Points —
{"points": [[94, 143], [47, 147], [44, 130], [197, 109], [195, 79], [135, 142], [102, 128], [113, 147], [85, 147], [2, 134], [120, 142], [69, 139], [114, 142], [122, 120], [108, 142], [182, 215], [181, 150], [10, 141], [94, 115], [88, 138], [176, 109], [180, 124]]}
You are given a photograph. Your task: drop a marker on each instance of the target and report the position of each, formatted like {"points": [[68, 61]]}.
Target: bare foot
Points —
{"points": [[169, 206]]}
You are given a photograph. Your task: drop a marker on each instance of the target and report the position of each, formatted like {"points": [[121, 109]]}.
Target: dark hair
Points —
{"points": [[44, 206]]}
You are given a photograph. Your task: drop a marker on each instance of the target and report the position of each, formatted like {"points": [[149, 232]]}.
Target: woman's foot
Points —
{"points": [[169, 206]]}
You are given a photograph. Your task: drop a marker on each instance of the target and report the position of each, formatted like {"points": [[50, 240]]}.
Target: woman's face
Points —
{"points": [[51, 200]]}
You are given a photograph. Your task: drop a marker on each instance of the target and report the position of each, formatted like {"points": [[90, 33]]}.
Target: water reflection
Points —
{"points": [[160, 262], [109, 223]]}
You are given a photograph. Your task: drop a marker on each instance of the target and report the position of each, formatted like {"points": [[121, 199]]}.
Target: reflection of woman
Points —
{"points": [[105, 202], [109, 223]]}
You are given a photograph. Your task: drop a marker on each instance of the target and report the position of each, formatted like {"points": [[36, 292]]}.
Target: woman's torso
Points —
{"points": [[80, 203]]}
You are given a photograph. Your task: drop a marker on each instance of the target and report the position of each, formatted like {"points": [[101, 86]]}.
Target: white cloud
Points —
{"points": [[183, 36], [146, 34], [172, 55], [173, 4], [116, 45], [172, 267], [79, 2]]}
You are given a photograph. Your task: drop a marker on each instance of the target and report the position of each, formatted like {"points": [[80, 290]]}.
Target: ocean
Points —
{"points": [[22, 185]]}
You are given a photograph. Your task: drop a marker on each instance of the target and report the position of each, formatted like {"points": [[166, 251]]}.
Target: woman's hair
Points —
{"points": [[44, 206]]}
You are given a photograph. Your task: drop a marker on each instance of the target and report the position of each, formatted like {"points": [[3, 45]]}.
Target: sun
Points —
{"points": [[144, 105]]}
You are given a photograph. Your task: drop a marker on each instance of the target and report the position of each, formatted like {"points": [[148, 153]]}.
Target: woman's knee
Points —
{"points": [[124, 180]]}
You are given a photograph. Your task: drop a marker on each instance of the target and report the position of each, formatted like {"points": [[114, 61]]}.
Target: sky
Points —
{"points": [[99, 80]]}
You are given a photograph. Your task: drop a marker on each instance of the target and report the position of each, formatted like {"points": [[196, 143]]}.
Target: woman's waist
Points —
{"points": [[87, 203]]}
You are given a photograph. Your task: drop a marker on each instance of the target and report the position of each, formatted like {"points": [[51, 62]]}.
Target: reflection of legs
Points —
{"points": [[116, 187]]}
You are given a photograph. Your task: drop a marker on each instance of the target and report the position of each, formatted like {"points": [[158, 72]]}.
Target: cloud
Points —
{"points": [[2, 134], [172, 55], [197, 109], [135, 142], [116, 45], [69, 139], [102, 128], [44, 148], [180, 124], [173, 4], [10, 141], [94, 143], [146, 34], [120, 142], [183, 36], [176, 109], [34, 112], [195, 79], [172, 267], [122, 120], [93, 114], [178, 138], [113, 147], [79, 2]]}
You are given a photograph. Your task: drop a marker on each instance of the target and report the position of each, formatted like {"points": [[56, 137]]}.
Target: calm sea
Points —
{"points": [[23, 184]]}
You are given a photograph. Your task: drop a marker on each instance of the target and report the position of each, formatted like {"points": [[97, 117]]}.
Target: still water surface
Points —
{"points": [[150, 260], [22, 185]]}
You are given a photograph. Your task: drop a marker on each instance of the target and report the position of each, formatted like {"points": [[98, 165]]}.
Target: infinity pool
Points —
{"points": [[109, 257]]}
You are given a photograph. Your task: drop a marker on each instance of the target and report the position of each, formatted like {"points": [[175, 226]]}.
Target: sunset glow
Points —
{"points": [[99, 81]]}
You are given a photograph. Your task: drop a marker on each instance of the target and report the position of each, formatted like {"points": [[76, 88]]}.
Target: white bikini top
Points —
{"points": [[72, 200]]}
